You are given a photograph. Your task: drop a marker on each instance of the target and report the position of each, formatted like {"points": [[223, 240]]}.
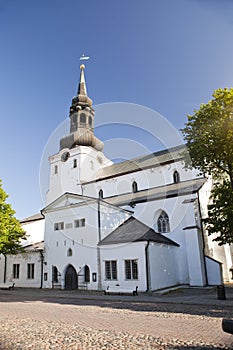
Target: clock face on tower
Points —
{"points": [[65, 156]]}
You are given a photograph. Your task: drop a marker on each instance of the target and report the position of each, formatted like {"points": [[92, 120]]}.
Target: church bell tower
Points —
{"points": [[80, 155]]}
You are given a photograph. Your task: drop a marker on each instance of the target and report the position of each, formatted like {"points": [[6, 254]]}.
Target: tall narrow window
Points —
{"points": [[55, 274], [163, 223], [134, 187], [86, 274], [111, 270], [90, 121], [131, 269], [83, 118], [75, 163], [176, 177], [55, 169], [101, 194], [16, 271], [30, 272]]}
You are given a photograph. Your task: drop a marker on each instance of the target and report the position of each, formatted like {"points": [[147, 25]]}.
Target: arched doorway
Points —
{"points": [[71, 278]]}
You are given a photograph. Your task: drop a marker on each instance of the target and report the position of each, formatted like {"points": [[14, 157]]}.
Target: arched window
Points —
{"points": [[134, 187], [69, 252], [101, 194], [176, 177], [83, 118], [163, 223], [86, 274], [55, 274]]}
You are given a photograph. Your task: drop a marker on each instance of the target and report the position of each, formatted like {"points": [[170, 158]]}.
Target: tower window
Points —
{"points": [[101, 194], [75, 163], [134, 187], [55, 169], [90, 121], [83, 118], [163, 223], [176, 177]]}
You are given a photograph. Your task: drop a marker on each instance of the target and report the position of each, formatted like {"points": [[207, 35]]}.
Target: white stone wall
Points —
{"points": [[120, 253], [23, 260], [164, 271]]}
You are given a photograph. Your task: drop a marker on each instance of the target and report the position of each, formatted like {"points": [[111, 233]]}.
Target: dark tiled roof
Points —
{"points": [[133, 230], [34, 217], [34, 247], [148, 161]]}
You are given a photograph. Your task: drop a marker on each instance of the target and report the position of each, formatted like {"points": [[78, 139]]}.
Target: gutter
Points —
{"points": [[203, 240], [4, 277], [42, 268], [148, 281]]}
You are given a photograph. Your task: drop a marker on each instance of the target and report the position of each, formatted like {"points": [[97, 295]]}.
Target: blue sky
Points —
{"points": [[163, 54]]}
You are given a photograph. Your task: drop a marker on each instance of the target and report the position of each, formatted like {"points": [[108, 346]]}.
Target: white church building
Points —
{"points": [[137, 223]]}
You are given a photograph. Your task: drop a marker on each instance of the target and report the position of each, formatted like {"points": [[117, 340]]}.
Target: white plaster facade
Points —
{"points": [[90, 200]]}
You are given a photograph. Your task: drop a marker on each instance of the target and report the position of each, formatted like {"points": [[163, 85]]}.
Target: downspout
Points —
{"points": [[42, 268], [98, 249], [203, 240], [5, 261], [148, 281]]}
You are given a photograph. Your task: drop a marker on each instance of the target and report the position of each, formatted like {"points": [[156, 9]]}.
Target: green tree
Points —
{"points": [[220, 213], [11, 233], [209, 137]]}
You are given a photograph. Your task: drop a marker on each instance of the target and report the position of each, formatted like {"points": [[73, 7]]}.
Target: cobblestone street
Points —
{"points": [[37, 320]]}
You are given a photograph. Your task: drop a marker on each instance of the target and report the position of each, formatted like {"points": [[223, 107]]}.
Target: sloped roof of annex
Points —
{"points": [[156, 193], [133, 230]]}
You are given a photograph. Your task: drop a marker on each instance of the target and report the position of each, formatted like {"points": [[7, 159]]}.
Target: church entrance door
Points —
{"points": [[71, 278]]}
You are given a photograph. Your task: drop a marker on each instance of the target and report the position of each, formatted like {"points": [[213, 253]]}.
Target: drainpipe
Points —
{"points": [[42, 268], [203, 240], [148, 281], [98, 249], [5, 261]]}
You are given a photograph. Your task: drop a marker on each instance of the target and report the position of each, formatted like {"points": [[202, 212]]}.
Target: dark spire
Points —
{"points": [[81, 120]]}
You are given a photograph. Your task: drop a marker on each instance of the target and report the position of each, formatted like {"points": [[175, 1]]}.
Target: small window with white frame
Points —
{"points": [[80, 223], [131, 269], [16, 271], [30, 271], [111, 270], [58, 226]]}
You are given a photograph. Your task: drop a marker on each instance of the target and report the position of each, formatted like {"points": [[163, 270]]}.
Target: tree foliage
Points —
{"points": [[220, 213], [11, 233], [209, 137]]}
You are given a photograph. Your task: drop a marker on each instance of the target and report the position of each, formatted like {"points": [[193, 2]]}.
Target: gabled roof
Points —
{"points": [[133, 230], [152, 160]]}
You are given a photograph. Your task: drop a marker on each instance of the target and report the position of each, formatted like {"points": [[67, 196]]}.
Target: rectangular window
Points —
{"points": [[15, 270], [31, 268], [79, 223], [131, 269], [111, 270], [58, 226]]}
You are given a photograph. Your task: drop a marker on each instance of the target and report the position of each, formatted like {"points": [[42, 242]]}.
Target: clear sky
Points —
{"points": [[163, 54]]}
